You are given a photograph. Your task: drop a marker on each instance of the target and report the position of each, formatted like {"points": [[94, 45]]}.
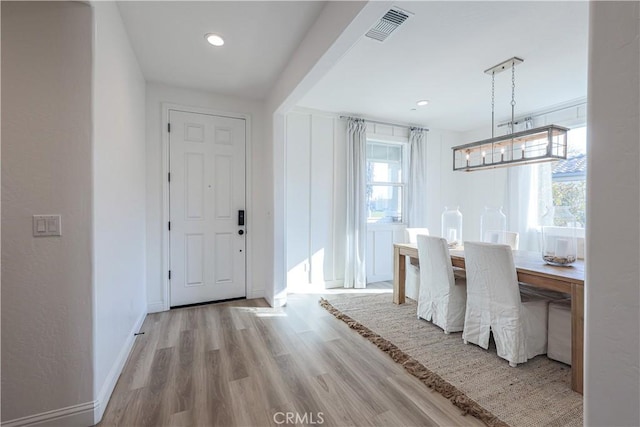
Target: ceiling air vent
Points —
{"points": [[385, 26]]}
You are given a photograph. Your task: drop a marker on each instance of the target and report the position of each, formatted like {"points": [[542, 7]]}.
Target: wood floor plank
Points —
{"points": [[218, 394], [138, 368], [244, 392], [170, 325], [231, 348], [439, 409], [346, 407], [264, 371], [209, 326], [353, 383], [243, 363]]}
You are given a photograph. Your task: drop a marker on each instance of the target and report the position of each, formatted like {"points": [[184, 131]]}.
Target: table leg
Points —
{"points": [[399, 272], [577, 337]]}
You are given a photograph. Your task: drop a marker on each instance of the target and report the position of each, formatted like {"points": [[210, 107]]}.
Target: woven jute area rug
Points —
{"points": [[536, 393]]}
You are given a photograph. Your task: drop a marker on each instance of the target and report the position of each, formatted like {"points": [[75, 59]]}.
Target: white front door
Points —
{"points": [[206, 196]]}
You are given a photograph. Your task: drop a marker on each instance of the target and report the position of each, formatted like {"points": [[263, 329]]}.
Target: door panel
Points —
{"points": [[207, 188], [194, 185]]}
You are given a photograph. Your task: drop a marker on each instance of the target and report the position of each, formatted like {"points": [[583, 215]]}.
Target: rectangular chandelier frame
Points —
{"points": [[543, 144]]}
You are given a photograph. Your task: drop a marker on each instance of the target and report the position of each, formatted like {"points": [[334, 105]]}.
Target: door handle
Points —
{"points": [[241, 217]]}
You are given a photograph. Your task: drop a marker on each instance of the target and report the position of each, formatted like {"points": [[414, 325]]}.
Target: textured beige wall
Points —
{"points": [[46, 169], [612, 288]]}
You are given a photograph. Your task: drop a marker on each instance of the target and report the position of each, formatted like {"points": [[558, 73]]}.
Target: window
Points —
{"points": [[550, 193], [386, 163], [569, 178]]}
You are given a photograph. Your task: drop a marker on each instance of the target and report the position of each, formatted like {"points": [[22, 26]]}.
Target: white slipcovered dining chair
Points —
{"points": [[442, 298], [412, 272], [494, 305]]}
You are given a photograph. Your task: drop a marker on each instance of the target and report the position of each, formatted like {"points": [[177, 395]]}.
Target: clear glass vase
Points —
{"points": [[493, 224], [452, 226], [560, 239]]}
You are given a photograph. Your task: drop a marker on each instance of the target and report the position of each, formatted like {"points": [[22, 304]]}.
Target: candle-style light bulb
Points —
{"points": [[502, 154], [467, 159], [522, 151], [484, 153]]}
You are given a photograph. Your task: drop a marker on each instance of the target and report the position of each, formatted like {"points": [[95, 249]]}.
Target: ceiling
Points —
{"points": [[260, 37], [440, 54]]}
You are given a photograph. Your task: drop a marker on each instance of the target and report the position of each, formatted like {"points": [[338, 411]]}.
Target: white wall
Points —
{"points": [[47, 282], [316, 198], [338, 27], [258, 189], [119, 152], [612, 327], [443, 188]]}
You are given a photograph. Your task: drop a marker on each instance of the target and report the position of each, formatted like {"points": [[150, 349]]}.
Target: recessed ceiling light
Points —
{"points": [[214, 39], [422, 103]]}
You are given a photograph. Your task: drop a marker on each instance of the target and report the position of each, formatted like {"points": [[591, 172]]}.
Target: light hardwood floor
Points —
{"points": [[243, 363]]}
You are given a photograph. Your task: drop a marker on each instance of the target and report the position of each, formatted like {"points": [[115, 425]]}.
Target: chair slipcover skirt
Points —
{"points": [[412, 272], [442, 299], [494, 305]]}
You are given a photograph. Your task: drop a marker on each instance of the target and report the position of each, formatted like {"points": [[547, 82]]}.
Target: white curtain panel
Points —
{"points": [[530, 198], [355, 271], [416, 197]]}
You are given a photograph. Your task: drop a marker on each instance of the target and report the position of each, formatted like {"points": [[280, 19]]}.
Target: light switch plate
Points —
{"points": [[47, 225]]}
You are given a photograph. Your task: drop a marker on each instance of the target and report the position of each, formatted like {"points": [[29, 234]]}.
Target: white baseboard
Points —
{"points": [[379, 278], [112, 378], [83, 414], [334, 284], [258, 293], [268, 300], [72, 416], [155, 307]]}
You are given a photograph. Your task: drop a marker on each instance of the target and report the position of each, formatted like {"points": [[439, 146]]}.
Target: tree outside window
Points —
{"points": [[569, 177]]}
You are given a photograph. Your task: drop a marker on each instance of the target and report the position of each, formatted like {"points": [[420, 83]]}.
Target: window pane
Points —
{"points": [[384, 172], [384, 203], [394, 153], [376, 151]]}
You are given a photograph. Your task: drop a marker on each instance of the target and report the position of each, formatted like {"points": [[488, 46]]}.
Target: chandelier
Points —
{"points": [[543, 144]]}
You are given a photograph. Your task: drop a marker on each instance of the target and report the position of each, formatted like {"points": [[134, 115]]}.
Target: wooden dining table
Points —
{"points": [[531, 270]]}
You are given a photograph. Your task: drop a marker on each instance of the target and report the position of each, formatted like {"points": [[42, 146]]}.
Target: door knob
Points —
{"points": [[241, 232]]}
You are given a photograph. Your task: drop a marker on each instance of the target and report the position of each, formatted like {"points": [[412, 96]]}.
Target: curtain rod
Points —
{"points": [[543, 113], [384, 123]]}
